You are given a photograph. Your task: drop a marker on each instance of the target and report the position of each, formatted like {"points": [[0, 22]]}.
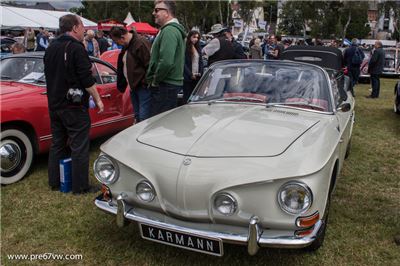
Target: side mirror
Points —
{"points": [[344, 107]]}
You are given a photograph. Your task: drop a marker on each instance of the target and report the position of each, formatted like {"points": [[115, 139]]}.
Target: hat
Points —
{"points": [[216, 28]]}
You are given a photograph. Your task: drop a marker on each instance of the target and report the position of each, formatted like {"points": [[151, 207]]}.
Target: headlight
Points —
{"points": [[105, 170], [225, 204], [295, 197], [145, 191]]}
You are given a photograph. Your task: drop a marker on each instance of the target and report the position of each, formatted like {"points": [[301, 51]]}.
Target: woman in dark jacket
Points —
{"points": [[193, 64]]}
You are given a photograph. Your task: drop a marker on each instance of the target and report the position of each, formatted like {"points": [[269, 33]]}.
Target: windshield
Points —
{"points": [[268, 83], [22, 69]]}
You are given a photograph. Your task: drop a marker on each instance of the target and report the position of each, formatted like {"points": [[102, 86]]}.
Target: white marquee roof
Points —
{"points": [[34, 18]]}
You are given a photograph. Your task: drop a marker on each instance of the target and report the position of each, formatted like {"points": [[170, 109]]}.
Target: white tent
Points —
{"points": [[129, 19], [25, 17]]}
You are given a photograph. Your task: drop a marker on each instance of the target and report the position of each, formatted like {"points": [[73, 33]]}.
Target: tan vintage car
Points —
{"points": [[252, 159]]}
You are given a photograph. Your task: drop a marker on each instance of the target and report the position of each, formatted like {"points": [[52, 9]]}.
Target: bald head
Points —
{"points": [[378, 44]]}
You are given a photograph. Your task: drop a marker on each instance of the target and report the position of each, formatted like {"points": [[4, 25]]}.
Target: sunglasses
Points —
{"points": [[159, 9]]}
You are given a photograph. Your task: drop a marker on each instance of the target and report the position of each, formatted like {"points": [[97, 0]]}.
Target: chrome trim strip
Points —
{"points": [[264, 240], [112, 121], [48, 137]]}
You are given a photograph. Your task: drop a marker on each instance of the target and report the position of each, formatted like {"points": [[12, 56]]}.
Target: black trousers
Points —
{"points": [[70, 129], [354, 74], [376, 85], [188, 87]]}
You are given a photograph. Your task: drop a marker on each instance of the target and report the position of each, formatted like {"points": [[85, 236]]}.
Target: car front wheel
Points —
{"points": [[397, 105], [16, 152], [319, 240]]}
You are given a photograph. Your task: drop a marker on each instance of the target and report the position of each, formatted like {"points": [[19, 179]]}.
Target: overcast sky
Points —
{"points": [[64, 4]]}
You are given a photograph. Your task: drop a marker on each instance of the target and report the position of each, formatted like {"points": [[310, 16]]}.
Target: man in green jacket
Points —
{"points": [[165, 72]]}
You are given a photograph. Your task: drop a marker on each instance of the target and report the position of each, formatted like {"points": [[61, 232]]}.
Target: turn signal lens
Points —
{"points": [[305, 222], [303, 233], [106, 192]]}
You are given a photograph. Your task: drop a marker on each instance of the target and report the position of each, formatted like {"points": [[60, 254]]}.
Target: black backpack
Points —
{"points": [[358, 57]]}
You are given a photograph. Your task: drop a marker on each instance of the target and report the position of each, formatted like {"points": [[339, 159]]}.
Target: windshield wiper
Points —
{"points": [[5, 77], [303, 103], [34, 80], [238, 98]]}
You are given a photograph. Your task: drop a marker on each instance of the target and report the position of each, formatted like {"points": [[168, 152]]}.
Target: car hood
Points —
{"points": [[8, 87], [226, 130]]}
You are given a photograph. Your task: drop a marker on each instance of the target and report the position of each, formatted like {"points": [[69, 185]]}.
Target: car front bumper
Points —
{"points": [[253, 237]]}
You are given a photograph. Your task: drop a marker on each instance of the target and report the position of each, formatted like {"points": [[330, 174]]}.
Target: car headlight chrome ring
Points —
{"points": [[295, 197], [106, 170], [145, 191], [225, 204]]}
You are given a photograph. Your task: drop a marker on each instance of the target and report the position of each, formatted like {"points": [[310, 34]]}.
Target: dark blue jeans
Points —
{"points": [[141, 101], [376, 85], [70, 129], [164, 98], [354, 74]]}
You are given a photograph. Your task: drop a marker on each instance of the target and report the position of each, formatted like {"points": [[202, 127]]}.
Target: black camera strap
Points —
{"points": [[72, 80], [70, 74]]}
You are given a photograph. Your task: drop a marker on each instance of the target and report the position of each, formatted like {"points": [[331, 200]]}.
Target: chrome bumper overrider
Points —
{"points": [[254, 239]]}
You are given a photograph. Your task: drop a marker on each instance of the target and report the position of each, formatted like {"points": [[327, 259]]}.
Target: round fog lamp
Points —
{"points": [[145, 191], [225, 204], [105, 170], [295, 198]]}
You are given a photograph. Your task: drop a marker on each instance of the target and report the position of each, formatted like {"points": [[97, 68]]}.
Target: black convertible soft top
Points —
{"points": [[326, 57]]}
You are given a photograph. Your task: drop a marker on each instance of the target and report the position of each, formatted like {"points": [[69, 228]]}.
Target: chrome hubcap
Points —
{"points": [[10, 156]]}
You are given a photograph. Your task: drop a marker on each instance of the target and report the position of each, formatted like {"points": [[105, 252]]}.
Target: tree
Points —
{"points": [[394, 8], [328, 19], [99, 10], [296, 16]]}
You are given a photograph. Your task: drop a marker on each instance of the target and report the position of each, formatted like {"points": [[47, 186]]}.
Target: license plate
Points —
{"points": [[212, 246]]}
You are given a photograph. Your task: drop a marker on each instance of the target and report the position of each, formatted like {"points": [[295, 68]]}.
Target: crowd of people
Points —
{"points": [[156, 70]]}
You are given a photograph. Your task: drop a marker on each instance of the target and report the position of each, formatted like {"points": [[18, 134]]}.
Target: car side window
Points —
{"points": [[335, 90], [107, 74], [95, 74]]}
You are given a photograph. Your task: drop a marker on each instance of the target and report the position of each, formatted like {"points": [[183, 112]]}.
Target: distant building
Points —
{"points": [[380, 22]]}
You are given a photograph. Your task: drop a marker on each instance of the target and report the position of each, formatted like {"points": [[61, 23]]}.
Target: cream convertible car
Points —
{"points": [[251, 160]]}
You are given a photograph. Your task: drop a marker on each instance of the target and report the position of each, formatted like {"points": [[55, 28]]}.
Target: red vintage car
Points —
{"points": [[25, 123]]}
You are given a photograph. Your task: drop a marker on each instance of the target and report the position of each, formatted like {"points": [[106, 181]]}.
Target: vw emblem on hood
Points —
{"points": [[187, 161]]}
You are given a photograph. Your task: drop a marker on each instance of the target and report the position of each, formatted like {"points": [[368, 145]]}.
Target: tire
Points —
{"points": [[16, 151], [348, 149], [396, 105], [319, 240]]}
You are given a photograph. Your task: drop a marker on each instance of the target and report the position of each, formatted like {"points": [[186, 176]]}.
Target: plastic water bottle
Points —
{"points": [[92, 104], [66, 175]]}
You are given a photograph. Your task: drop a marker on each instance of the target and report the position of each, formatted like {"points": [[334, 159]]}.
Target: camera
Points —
{"points": [[74, 95]]}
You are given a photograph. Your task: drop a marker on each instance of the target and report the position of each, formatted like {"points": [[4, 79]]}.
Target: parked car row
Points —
{"points": [[392, 63]]}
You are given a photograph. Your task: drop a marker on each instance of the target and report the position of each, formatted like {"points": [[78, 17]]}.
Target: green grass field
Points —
{"points": [[364, 214]]}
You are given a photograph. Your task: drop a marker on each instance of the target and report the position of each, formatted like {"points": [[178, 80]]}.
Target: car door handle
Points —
{"points": [[43, 93], [106, 96], [341, 140]]}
